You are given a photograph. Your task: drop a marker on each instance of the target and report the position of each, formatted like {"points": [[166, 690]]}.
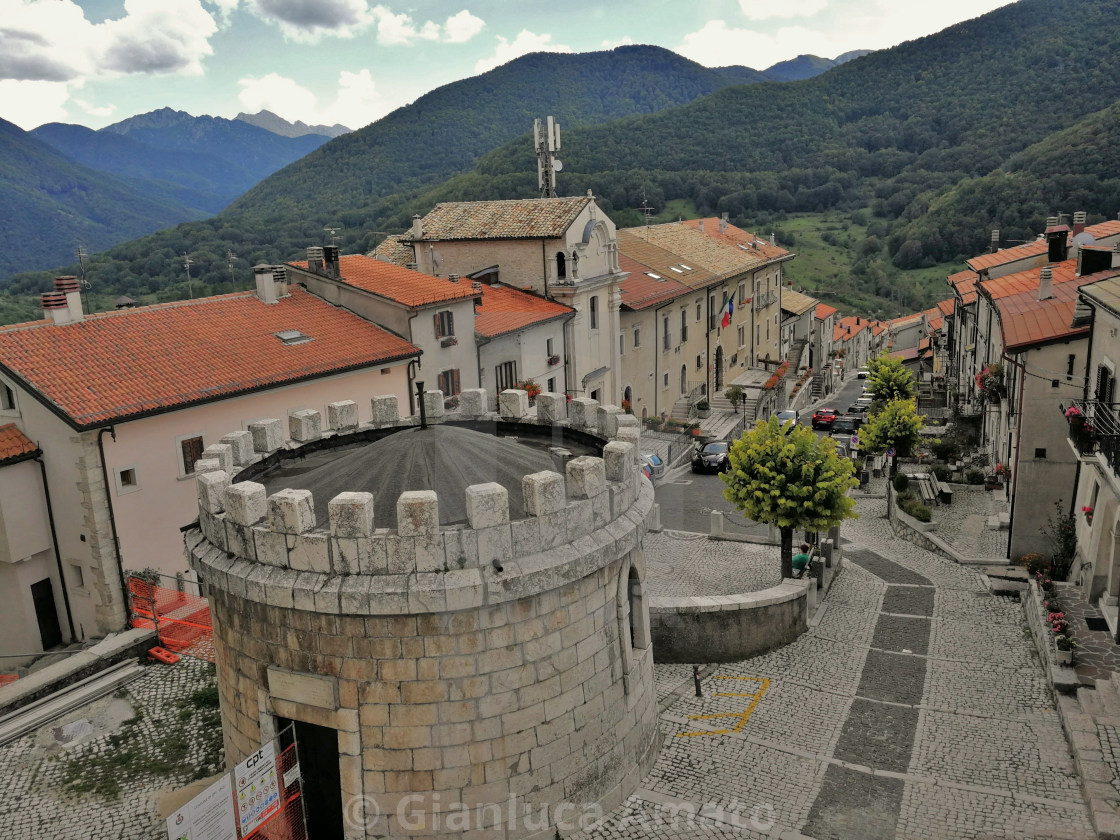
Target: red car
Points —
{"points": [[823, 417]]}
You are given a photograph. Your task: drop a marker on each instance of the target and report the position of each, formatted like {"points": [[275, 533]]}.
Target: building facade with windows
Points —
{"points": [[120, 406], [560, 249]]}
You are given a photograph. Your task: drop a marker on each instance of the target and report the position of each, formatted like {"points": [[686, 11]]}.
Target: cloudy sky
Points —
{"points": [[96, 62]]}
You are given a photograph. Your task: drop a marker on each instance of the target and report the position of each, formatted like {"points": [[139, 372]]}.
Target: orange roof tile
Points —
{"points": [[878, 329], [947, 306], [824, 310], [504, 309], [640, 291], [14, 445], [1023, 281], [1026, 320], [393, 250], [644, 257], [856, 323], [397, 283], [1038, 247], [524, 218], [758, 245], [723, 255], [134, 362]]}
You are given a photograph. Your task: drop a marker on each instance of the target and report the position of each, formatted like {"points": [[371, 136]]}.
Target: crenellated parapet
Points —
{"points": [[279, 549]]}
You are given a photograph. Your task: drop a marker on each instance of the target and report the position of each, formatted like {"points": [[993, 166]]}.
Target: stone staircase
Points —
{"points": [[794, 357], [680, 409], [816, 386]]}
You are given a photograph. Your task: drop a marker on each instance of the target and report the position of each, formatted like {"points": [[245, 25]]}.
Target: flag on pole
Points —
{"points": [[727, 313]]}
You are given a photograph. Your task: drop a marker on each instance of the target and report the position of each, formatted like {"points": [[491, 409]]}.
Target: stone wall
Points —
{"points": [[498, 662]]}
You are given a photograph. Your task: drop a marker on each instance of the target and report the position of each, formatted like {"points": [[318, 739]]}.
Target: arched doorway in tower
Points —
{"points": [[628, 397], [719, 367]]}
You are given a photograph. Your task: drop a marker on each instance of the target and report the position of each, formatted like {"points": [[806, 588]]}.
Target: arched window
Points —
{"points": [[561, 265], [594, 307]]}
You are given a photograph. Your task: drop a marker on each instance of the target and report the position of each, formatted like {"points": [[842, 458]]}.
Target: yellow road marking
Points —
{"points": [[764, 684]]}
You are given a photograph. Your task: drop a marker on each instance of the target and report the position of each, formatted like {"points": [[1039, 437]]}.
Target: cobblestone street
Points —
{"points": [[915, 708]]}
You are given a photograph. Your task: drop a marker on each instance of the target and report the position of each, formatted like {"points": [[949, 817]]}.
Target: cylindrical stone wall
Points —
{"points": [[499, 688]]}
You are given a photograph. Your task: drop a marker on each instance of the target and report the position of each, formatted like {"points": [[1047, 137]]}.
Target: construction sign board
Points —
{"points": [[258, 788], [209, 816]]}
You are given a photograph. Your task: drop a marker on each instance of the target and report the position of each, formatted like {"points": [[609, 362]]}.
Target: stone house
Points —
{"points": [[1095, 442], [121, 405], [561, 249], [798, 315]]}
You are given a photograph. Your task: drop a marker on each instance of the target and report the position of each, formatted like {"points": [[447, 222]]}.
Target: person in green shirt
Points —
{"points": [[801, 560]]}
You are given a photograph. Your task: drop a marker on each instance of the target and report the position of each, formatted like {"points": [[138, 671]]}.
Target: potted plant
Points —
{"points": [[627, 407], [703, 409], [1065, 645], [734, 396], [1088, 511], [531, 388]]}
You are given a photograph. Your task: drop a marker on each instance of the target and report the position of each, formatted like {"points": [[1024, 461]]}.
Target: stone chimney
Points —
{"points": [[454, 278], [266, 283], [54, 307], [280, 277], [995, 242], [1078, 222], [72, 289], [315, 259], [330, 260], [1045, 284], [701, 225], [773, 238], [417, 227], [1057, 238], [723, 223]]}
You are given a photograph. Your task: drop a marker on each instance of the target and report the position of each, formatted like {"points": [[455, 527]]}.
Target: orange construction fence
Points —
{"points": [[287, 823], [182, 620]]}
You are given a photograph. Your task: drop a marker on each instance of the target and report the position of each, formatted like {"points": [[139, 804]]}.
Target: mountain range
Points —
{"points": [[891, 137]]}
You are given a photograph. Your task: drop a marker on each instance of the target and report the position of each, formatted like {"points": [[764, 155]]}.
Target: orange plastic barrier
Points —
{"points": [[164, 656], [8, 679], [183, 620]]}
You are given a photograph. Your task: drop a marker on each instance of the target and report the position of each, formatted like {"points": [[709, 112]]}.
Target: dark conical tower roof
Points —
{"points": [[444, 458]]}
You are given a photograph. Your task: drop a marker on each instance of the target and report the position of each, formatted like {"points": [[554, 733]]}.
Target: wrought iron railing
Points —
{"points": [[764, 299], [1094, 426]]}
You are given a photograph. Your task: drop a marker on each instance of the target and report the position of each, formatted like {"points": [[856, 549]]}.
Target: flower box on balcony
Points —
{"points": [[553, 360], [450, 341]]}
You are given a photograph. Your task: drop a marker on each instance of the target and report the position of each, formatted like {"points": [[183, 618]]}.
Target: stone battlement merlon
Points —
{"points": [[274, 539]]}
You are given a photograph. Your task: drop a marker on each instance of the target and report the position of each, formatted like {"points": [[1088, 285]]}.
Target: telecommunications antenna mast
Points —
{"points": [[332, 233], [547, 144], [82, 254]]}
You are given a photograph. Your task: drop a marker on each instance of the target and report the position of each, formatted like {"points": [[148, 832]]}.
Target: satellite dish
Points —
{"points": [[557, 164], [1083, 238]]}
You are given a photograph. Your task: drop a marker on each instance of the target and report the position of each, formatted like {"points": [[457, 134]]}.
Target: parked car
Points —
{"points": [[788, 414], [653, 461], [711, 457], [862, 373], [824, 417], [847, 425]]}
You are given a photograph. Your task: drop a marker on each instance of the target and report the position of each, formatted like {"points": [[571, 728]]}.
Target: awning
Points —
{"points": [[595, 374]]}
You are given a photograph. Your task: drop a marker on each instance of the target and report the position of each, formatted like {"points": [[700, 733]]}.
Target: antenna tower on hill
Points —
{"points": [[547, 144]]}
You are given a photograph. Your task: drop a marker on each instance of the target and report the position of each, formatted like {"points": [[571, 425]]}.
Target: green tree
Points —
{"points": [[785, 475], [898, 426], [889, 379]]}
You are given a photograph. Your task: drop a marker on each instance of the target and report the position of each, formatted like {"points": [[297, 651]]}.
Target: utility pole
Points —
{"points": [[187, 262]]}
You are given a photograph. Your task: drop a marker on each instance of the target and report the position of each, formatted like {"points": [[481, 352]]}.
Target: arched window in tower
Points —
{"points": [[561, 265], [594, 309]]}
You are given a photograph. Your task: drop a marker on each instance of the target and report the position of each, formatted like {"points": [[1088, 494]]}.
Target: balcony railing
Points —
{"points": [[764, 299], [1094, 426]]}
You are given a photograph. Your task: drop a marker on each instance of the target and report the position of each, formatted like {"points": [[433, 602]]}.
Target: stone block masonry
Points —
{"points": [[477, 664]]}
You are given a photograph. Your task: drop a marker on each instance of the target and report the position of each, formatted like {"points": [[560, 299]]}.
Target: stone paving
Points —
{"points": [[915, 708], [1097, 656], [964, 523], [681, 564], [89, 775]]}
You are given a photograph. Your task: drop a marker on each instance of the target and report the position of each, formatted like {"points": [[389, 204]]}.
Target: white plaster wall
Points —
{"points": [[528, 348], [24, 525], [19, 629]]}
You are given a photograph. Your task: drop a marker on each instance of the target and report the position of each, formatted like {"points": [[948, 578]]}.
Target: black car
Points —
{"points": [[848, 424], [711, 457]]}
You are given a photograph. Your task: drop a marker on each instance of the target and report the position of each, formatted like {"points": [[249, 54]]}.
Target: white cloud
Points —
{"points": [[766, 9], [95, 110], [156, 36], [526, 42], [308, 21], [720, 45], [30, 104], [393, 29], [621, 42], [278, 94], [225, 9], [357, 101], [461, 27]]}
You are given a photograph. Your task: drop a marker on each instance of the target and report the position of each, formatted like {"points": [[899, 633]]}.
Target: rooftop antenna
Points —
{"points": [[646, 209], [187, 263], [547, 144], [332, 233], [230, 257], [82, 254]]}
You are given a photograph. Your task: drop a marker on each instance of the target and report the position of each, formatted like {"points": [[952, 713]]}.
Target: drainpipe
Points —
{"points": [[112, 516], [57, 553], [420, 399], [1018, 440]]}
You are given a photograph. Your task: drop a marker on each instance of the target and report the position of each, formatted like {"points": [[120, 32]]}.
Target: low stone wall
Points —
{"points": [[729, 627]]}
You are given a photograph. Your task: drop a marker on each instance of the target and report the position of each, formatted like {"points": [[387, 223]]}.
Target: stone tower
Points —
{"points": [[478, 651]]}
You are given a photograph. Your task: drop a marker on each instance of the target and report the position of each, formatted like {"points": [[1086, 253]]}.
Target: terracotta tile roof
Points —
{"points": [[403, 285], [824, 310], [1039, 247], [947, 306], [640, 291], [643, 256], [133, 362], [526, 218], [839, 333], [907, 355], [878, 328], [13, 444], [1026, 320], [856, 323], [1024, 281], [905, 320], [723, 256], [393, 250], [732, 235], [504, 309], [796, 302]]}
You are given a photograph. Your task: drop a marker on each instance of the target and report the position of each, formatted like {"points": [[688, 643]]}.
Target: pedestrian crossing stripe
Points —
{"points": [[764, 683]]}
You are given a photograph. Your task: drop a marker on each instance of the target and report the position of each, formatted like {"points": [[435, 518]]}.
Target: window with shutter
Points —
{"points": [[191, 449]]}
